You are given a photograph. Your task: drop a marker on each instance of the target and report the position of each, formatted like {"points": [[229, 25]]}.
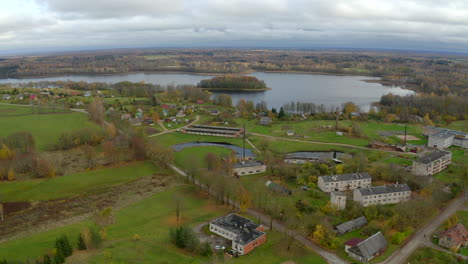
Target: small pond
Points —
{"points": [[238, 150], [316, 155]]}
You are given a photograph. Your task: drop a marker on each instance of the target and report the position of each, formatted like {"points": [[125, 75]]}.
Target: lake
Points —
{"points": [[330, 90]]}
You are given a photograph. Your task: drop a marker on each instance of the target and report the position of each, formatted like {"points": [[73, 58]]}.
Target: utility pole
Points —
{"points": [[406, 127], [243, 152]]}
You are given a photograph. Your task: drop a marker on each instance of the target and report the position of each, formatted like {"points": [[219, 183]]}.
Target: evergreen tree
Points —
{"points": [[281, 114], [66, 246], [59, 258], [81, 243], [47, 260]]}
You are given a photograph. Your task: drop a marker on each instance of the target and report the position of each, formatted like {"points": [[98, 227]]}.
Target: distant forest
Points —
{"points": [[426, 73], [233, 82]]}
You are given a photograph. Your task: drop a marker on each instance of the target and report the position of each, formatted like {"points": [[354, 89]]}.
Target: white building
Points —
{"points": [[432, 163], [442, 138], [387, 194], [344, 182], [248, 167], [338, 199]]}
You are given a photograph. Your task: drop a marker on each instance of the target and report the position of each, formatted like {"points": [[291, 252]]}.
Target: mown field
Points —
{"points": [[151, 219], [425, 255], [45, 128], [74, 184], [323, 131], [195, 157]]}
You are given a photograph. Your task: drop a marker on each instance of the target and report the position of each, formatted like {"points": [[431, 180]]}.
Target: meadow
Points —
{"points": [[45, 128], [74, 184], [151, 220]]}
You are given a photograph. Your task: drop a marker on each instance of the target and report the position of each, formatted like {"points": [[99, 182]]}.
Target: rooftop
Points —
{"points": [[384, 189], [244, 228], [346, 177], [248, 163], [351, 225], [353, 241], [457, 233], [432, 156], [370, 246]]}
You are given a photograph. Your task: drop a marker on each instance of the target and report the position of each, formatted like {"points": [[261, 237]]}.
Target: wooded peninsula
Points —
{"points": [[233, 83]]}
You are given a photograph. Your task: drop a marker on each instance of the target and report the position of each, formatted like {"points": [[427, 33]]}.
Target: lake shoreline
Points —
{"points": [[216, 74]]}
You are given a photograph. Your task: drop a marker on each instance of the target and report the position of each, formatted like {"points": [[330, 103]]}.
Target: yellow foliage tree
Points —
{"points": [[111, 130], [244, 199], [11, 175], [5, 153], [339, 168], [319, 233], [427, 120]]}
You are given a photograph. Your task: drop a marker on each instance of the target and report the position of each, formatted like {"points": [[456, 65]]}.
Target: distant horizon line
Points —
{"points": [[285, 48]]}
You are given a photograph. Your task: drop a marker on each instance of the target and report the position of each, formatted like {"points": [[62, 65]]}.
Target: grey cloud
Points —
{"points": [[400, 24]]}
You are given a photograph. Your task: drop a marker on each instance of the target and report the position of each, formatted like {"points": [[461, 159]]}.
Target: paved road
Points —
{"points": [[399, 256], [328, 143], [328, 256]]}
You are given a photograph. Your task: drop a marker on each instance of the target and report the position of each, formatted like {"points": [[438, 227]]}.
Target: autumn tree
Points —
{"points": [[89, 154], [96, 111], [44, 169], [427, 120], [160, 154]]}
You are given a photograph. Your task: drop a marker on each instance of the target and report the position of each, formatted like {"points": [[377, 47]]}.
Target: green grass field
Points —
{"points": [[73, 184], [193, 158], [323, 131], [425, 255], [461, 125], [151, 219], [45, 128]]}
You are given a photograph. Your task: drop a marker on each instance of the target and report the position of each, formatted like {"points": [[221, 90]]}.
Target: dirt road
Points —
{"points": [[417, 240]]}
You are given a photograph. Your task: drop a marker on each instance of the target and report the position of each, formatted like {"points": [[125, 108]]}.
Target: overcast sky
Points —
{"points": [[56, 25]]}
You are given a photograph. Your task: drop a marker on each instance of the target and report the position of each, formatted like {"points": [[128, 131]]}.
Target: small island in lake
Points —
{"points": [[233, 83]]}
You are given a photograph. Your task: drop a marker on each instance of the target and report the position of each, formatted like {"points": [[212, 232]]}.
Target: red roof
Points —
{"points": [[166, 107], [199, 101], [457, 233], [353, 241]]}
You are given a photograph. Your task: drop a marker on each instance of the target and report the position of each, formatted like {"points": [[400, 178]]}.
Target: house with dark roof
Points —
{"points": [[277, 188], [369, 248], [248, 167], [351, 243], [386, 194], [454, 237], [432, 163], [344, 182], [351, 225], [243, 232]]}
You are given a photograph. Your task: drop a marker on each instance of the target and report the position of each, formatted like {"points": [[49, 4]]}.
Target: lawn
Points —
{"points": [[425, 255], [73, 184], [461, 125], [45, 128], [7, 110], [323, 131], [194, 158], [155, 215]]}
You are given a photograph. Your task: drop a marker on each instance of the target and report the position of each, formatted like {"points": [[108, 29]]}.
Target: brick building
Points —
{"points": [[244, 234]]}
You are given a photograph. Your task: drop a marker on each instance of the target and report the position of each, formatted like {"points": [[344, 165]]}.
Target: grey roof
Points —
{"points": [[248, 163], [371, 246], [346, 177], [443, 134], [432, 156], [384, 189], [446, 130], [217, 127], [351, 225], [277, 188], [244, 228]]}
